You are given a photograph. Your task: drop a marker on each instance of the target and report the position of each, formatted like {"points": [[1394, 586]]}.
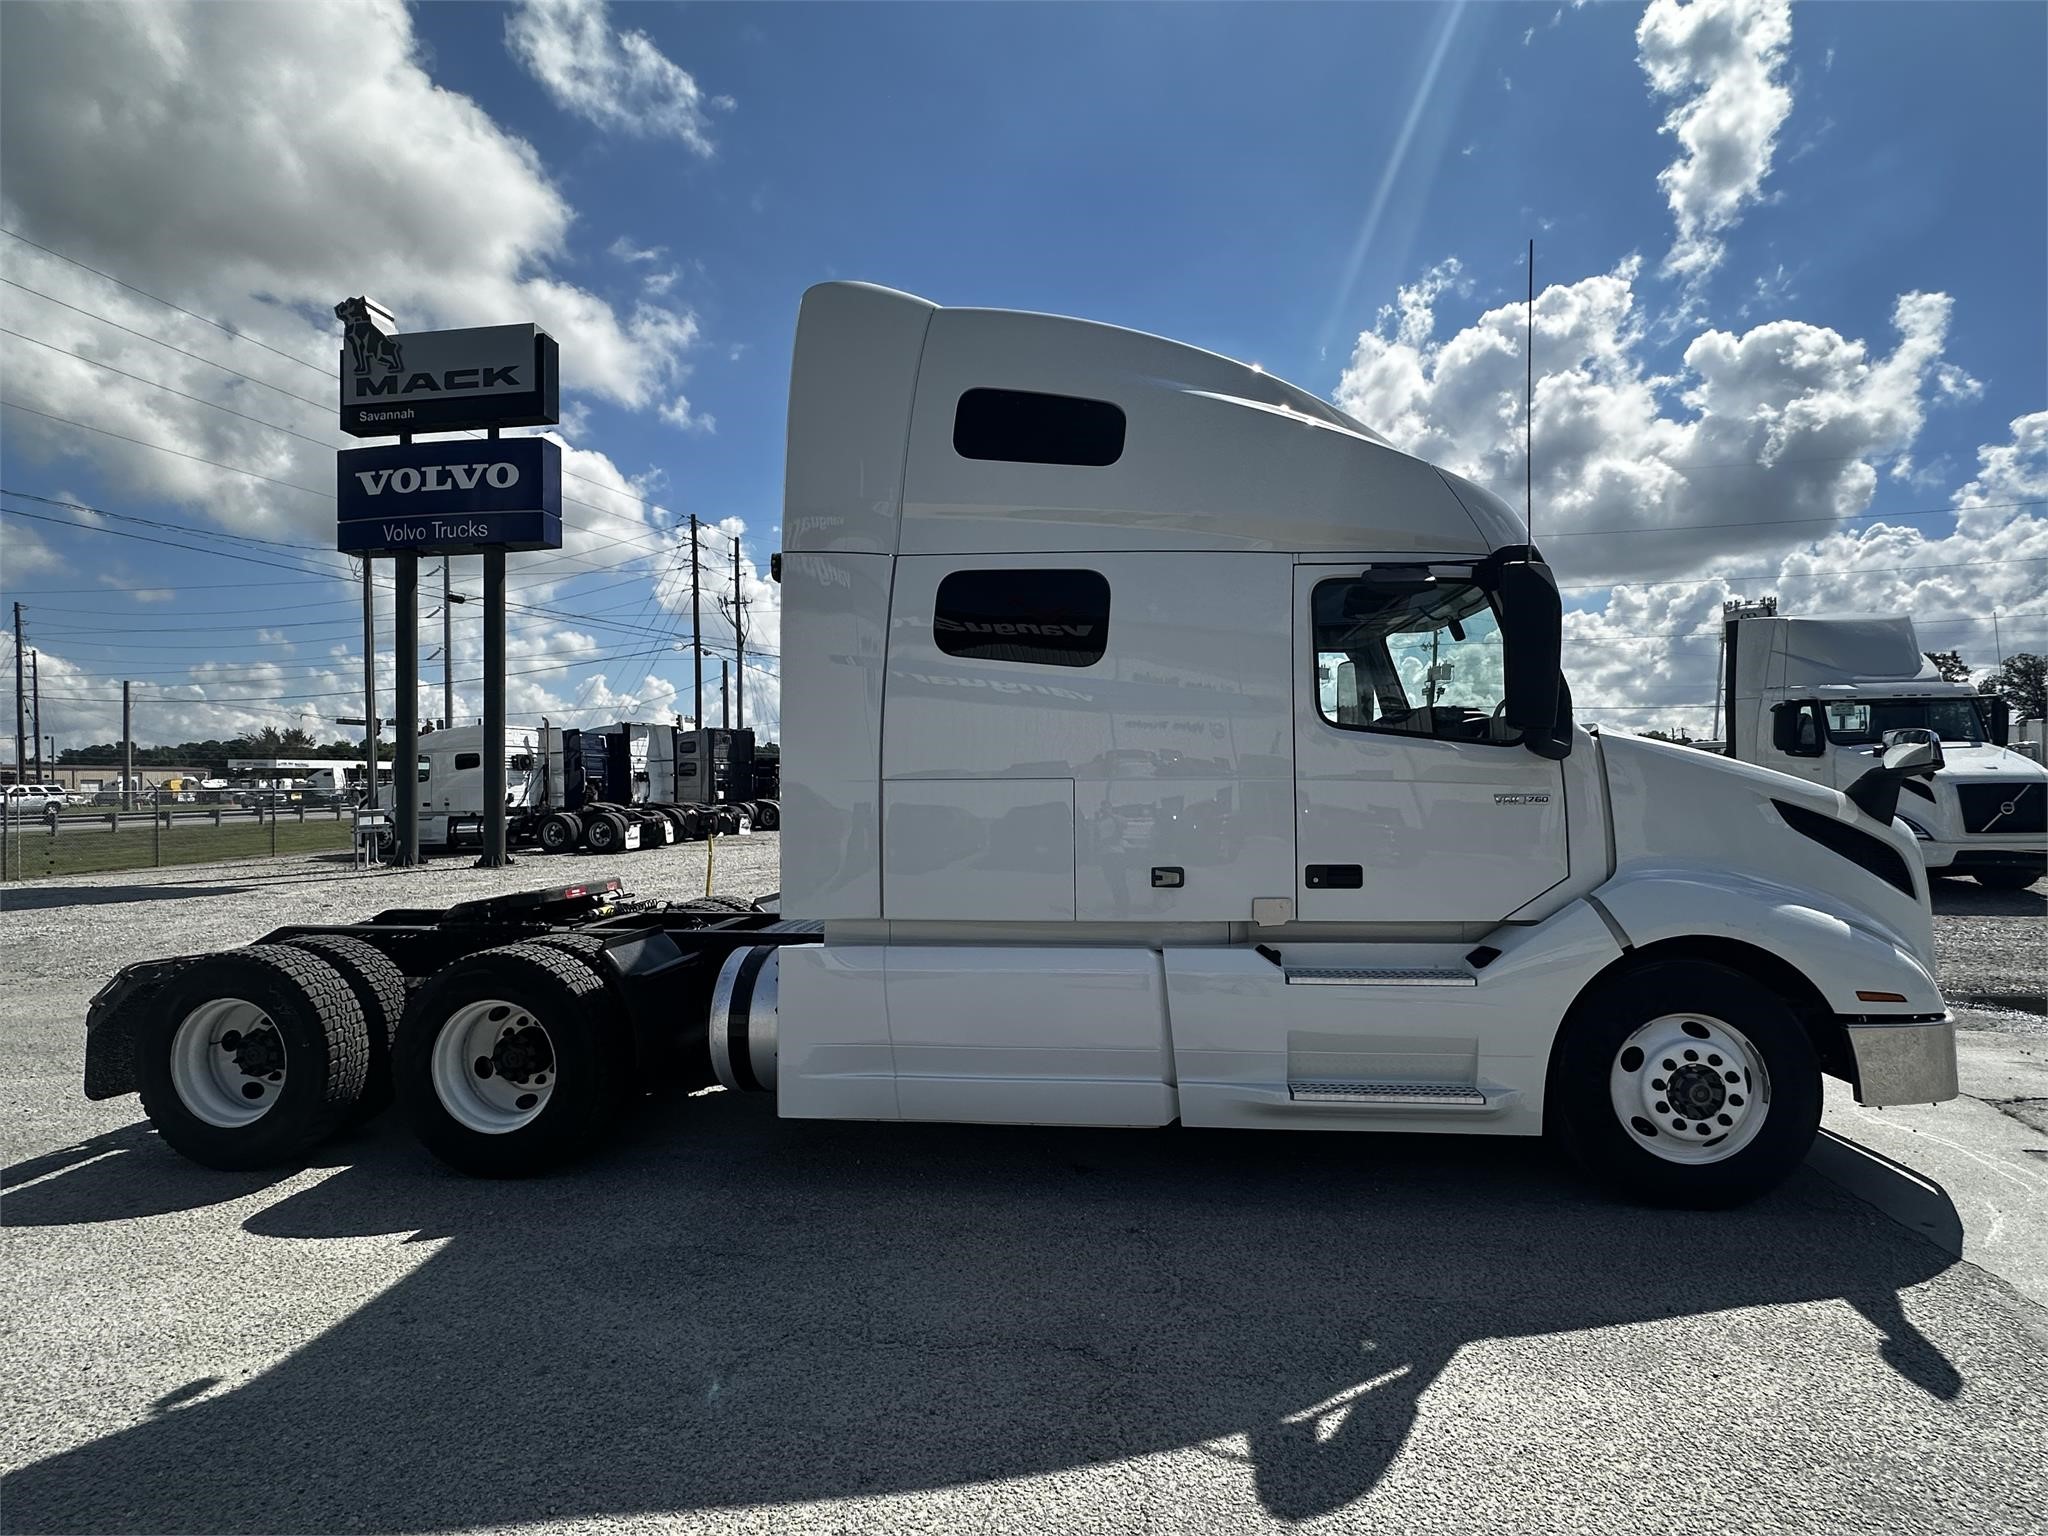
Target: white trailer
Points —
{"points": [[1820, 697], [1160, 745]]}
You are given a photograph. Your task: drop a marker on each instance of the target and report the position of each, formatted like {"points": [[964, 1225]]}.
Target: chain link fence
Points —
{"points": [[78, 841]]}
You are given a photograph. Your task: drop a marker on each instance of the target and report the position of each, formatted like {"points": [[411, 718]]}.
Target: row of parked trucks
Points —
{"points": [[1164, 746], [607, 789]]}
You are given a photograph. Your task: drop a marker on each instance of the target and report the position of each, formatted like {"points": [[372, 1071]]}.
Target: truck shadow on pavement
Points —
{"points": [[730, 1310], [115, 1176], [1952, 897]]}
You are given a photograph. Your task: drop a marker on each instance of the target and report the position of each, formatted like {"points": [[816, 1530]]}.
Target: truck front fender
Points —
{"points": [[1843, 953]]}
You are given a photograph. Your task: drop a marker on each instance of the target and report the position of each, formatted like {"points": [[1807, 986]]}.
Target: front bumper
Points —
{"points": [[1908, 1061]]}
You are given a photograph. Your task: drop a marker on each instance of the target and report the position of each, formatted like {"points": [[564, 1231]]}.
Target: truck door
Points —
{"points": [[1414, 802]]}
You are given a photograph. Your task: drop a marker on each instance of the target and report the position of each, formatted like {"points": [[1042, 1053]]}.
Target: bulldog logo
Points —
{"points": [[366, 343]]}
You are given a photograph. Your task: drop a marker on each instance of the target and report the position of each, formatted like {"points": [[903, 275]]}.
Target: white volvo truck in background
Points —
{"points": [[1160, 745], [1817, 698]]}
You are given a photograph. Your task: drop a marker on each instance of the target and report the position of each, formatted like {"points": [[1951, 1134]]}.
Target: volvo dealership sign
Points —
{"points": [[394, 382], [450, 498]]}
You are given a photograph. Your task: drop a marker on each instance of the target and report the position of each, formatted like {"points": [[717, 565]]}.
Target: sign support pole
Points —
{"points": [[405, 773], [369, 683], [494, 708], [494, 711], [448, 643], [127, 753]]}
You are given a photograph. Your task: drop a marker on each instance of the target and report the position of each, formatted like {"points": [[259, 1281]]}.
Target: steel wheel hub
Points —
{"points": [[493, 1067], [1690, 1088], [228, 1063]]}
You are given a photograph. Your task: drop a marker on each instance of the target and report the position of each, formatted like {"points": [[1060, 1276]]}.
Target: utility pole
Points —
{"points": [[20, 698], [370, 684], [447, 647], [724, 698], [739, 637], [35, 687], [696, 628], [127, 753]]}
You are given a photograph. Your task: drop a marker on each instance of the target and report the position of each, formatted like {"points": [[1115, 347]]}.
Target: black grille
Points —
{"points": [[1984, 807]]}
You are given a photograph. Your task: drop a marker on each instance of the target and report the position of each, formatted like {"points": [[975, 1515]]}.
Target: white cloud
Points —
{"points": [[1721, 61], [625, 250], [181, 148], [186, 143], [1785, 422], [678, 413], [618, 80], [1757, 456]]}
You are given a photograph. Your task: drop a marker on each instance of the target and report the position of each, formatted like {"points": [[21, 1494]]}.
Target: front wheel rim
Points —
{"points": [[1690, 1088], [228, 1063], [493, 1067]]}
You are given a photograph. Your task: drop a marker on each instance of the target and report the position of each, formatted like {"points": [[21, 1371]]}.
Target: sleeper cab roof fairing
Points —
{"points": [[1217, 454]]}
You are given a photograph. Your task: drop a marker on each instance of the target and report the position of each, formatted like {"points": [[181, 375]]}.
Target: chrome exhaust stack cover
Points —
{"points": [[743, 1019]]}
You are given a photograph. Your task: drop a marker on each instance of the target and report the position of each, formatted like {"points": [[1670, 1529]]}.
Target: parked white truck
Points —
{"points": [[1161, 745], [1819, 697], [607, 789]]}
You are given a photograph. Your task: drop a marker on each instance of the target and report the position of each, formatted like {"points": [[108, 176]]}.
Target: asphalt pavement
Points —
{"points": [[733, 1323]]}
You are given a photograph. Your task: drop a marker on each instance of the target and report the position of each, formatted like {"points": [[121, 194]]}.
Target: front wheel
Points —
{"points": [[1687, 1083]]}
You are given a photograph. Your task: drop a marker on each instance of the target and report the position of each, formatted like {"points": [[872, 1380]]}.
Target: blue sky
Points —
{"points": [[1265, 181]]}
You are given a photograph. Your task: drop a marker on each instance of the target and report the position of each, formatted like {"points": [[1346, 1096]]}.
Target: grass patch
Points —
{"points": [[35, 855]]}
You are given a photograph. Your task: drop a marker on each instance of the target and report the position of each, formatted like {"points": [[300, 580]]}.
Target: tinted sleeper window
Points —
{"points": [[1023, 427], [1041, 618]]}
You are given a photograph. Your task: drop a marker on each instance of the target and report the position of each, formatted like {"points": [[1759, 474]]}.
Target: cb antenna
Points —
{"points": [[1529, 406]]}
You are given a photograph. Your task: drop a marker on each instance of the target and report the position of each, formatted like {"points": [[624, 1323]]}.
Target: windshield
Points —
{"points": [[1863, 722]]}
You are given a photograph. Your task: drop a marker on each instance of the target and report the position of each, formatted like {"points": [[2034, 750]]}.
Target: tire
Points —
{"points": [[570, 1084], [677, 818], [723, 906], [214, 1028], [2007, 879], [379, 988], [606, 832], [767, 815], [1707, 1030], [560, 833], [693, 824], [586, 947]]}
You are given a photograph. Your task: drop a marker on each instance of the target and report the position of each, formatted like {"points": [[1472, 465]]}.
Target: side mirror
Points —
{"points": [[1535, 701], [1911, 759], [2001, 719], [1877, 792], [1796, 730]]}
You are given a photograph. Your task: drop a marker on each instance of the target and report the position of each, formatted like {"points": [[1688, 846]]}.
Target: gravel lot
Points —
{"points": [[735, 1323], [1992, 948]]}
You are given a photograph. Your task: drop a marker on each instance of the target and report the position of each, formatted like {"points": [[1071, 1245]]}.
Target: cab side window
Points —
{"points": [[1399, 650], [468, 760]]}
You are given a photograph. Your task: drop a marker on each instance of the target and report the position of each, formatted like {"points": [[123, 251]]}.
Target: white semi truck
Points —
{"points": [[1819, 698], [1161, 745]]}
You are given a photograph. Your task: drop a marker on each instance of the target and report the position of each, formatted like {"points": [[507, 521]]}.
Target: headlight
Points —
{"points": [[1917, 830]]}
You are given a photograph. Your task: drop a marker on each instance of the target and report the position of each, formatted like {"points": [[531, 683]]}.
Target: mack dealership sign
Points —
{"points": [[443, 381], [450, 498]]}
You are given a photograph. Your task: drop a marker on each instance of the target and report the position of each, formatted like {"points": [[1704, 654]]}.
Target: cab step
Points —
{"points": [[1431, 1096], [1378, 976]]}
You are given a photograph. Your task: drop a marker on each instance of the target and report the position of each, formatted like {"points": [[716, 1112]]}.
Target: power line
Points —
{"points": [[160, 448], [167, 389], [118, 283], [159, 341]]}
